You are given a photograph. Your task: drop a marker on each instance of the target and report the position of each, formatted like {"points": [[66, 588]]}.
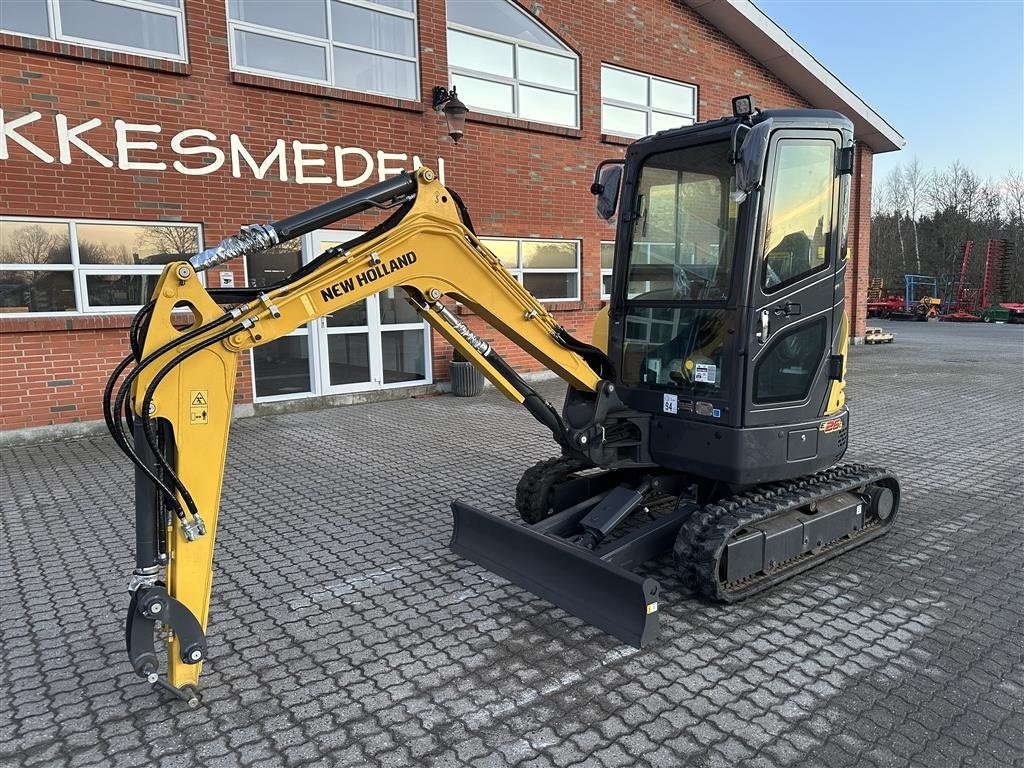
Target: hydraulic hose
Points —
{"points": [[147, 421], [139, 326], [136, 335], [260, 237], [121, 404]]}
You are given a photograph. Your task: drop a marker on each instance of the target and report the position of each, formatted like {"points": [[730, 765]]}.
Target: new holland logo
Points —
{"points": [[364, 278]]}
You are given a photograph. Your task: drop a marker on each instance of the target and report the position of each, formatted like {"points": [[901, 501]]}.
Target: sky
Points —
{"points": [[947, 74]]}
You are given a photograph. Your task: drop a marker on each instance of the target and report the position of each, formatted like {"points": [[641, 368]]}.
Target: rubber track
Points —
{"points": [[702, 539], [534, 487]]}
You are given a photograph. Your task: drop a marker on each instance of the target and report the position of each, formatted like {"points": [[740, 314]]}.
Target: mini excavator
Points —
{"points": [[707, 417]]}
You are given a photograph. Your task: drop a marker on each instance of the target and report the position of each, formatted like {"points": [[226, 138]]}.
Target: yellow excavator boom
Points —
{"points": [[185, 389]]}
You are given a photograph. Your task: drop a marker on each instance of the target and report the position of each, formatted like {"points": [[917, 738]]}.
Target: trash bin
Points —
{"points": [[467, 381]]}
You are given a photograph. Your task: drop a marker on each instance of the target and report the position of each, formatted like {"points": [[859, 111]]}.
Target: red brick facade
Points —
{"points": [[859, 241], [519, 179]]}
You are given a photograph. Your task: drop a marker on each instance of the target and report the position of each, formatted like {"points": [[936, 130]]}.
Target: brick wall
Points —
{"points": [[859, 241], [519, 179]]}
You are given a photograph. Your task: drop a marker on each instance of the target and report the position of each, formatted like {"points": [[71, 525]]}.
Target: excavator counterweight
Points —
{"points": [[707, 418]]}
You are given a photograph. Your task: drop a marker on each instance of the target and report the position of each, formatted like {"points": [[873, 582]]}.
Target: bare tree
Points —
{"points": [[879, 207], [971, 187], [32, 244], [166, 239], [990, 204], [1013, 197], [895, 195], [955, 190], [916, 181], [98, 252]]}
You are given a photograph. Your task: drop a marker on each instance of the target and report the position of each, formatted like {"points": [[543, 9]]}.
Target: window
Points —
{"points": [[280, 367], [51, 265], [549, 269], [504, 62], [800, 218], [379, 342], [682, 348], [360, 45], [146, 27], [684, 233], [607, 260], [635, 104], [786, 370]]}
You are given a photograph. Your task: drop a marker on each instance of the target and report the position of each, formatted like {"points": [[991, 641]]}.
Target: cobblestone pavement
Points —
{"points": [[352, 637]]}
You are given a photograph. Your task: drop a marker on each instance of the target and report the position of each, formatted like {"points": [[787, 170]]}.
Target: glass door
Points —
{"points": [[282, 369], [404, 341], [344, 336], [376, 344], [794, 287], [678, 336]]}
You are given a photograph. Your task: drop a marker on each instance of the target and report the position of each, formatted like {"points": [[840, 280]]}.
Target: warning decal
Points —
{"points": [[198, 410], [706, 373]]}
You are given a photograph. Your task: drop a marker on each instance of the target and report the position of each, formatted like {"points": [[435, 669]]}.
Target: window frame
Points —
{"points": [[820, 323], [647, 109], [606, 271], [327, 44], [57, 34], [784, 140], [519, 270], [79, 271], [515, 80]]}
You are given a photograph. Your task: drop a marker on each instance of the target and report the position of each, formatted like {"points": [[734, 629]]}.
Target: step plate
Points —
{"points": [[611, 598]]}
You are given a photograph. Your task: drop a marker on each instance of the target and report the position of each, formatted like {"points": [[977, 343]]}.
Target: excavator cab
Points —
{"points": [[706, 419], [727, 294]]}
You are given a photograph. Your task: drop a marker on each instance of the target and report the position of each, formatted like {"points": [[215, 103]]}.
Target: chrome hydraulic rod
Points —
{"points": [[254, 238]]}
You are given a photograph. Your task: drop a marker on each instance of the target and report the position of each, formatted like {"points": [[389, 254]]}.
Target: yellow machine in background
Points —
{"points": [[928, 308]]}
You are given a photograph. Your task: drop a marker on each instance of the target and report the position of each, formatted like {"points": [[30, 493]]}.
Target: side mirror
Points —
{"points": [[607, 182], [750, 158]]}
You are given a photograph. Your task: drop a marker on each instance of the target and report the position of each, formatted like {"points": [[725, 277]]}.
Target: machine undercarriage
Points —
{"points": [[588, 528]]}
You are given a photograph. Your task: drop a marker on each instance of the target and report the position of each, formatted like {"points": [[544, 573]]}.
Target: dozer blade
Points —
{"points": [[611, 598]]}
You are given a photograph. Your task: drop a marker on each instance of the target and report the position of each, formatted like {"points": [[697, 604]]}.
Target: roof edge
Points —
{"points": [[748, 26]]}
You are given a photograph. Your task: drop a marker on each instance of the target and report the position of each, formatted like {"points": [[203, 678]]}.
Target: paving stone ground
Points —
{"points": [[343, 632]]}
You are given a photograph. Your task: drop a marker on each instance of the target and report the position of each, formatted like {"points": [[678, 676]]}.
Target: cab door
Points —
{"points": [[792, 282]]}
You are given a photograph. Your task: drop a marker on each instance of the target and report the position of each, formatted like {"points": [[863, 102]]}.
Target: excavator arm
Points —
{"points": [[168, 405]]}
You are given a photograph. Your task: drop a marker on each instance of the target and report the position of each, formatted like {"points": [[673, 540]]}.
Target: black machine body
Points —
{"points": [[726, 323]]}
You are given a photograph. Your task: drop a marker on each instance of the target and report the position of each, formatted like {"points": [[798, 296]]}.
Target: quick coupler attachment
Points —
{"points": [[574, 578], [149, 608]]}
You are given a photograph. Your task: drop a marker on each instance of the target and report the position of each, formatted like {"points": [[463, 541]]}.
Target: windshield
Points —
{"points": [[685, 225]]}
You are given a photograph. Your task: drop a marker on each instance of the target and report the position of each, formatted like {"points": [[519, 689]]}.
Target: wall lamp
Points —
{"points": [[454, 110]]}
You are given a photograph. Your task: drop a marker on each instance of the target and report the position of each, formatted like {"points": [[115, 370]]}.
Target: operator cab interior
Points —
{"points": [[679, 272]]}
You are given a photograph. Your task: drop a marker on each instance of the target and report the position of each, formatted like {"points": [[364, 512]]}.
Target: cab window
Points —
{"points": [[797, 233], [786, 370], [684, 227]]}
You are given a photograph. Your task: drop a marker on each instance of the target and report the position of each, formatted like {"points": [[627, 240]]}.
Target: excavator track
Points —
{"points": [[533, 492], [777, 520]]}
